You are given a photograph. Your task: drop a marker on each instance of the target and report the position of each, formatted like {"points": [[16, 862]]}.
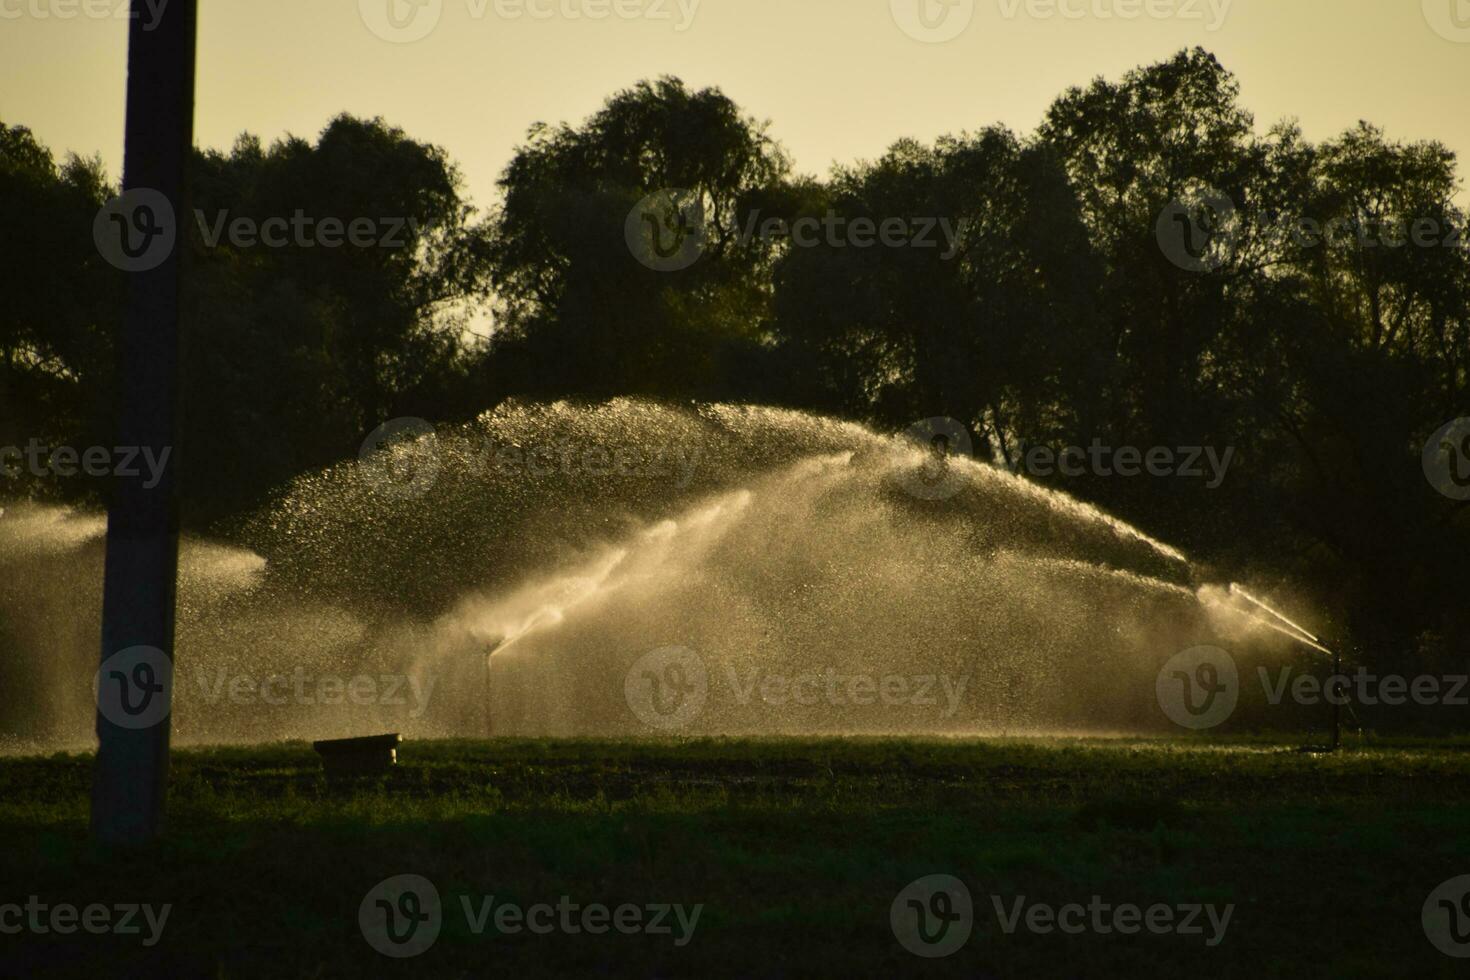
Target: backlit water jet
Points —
{"points": [[807, 575]]}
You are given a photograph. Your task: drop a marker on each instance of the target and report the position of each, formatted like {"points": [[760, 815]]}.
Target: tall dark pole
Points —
{"points": [[1337, 701], [142, 525]]}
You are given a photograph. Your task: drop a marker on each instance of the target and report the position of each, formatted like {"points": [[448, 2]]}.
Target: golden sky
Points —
{"points": [[839, 79]]}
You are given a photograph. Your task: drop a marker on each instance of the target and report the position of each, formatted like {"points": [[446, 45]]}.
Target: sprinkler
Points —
{"points": [[1336, 702], [1295, 631], [490, 652]]}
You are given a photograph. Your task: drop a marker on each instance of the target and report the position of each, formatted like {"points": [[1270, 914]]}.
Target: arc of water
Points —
{"points": [[1281, 629], [1235, 589]]}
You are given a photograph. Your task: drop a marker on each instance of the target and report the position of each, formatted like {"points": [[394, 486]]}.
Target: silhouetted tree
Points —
{"points": [[578, 312], [295, 351], [60, 299], [977, 309]]}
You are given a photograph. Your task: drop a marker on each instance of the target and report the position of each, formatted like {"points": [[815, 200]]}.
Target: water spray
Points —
{"points": [[1313, 644], [1235, 589]]}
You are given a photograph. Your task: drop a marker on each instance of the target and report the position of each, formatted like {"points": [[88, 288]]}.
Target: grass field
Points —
{"points": [[794, 848]]}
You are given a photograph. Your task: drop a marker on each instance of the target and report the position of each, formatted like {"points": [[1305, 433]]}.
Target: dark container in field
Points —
{"points": [[358, 756]]}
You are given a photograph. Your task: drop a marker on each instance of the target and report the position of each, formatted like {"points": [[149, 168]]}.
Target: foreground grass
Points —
{"points": [[795, 848]]}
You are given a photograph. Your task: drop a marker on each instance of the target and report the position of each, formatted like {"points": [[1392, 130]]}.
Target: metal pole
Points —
{"points": [[489, 659], [1337, 701], [142, 522]]}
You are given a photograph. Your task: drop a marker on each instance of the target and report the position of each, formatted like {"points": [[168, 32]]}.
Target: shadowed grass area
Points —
{"points": [[794, 847]]}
